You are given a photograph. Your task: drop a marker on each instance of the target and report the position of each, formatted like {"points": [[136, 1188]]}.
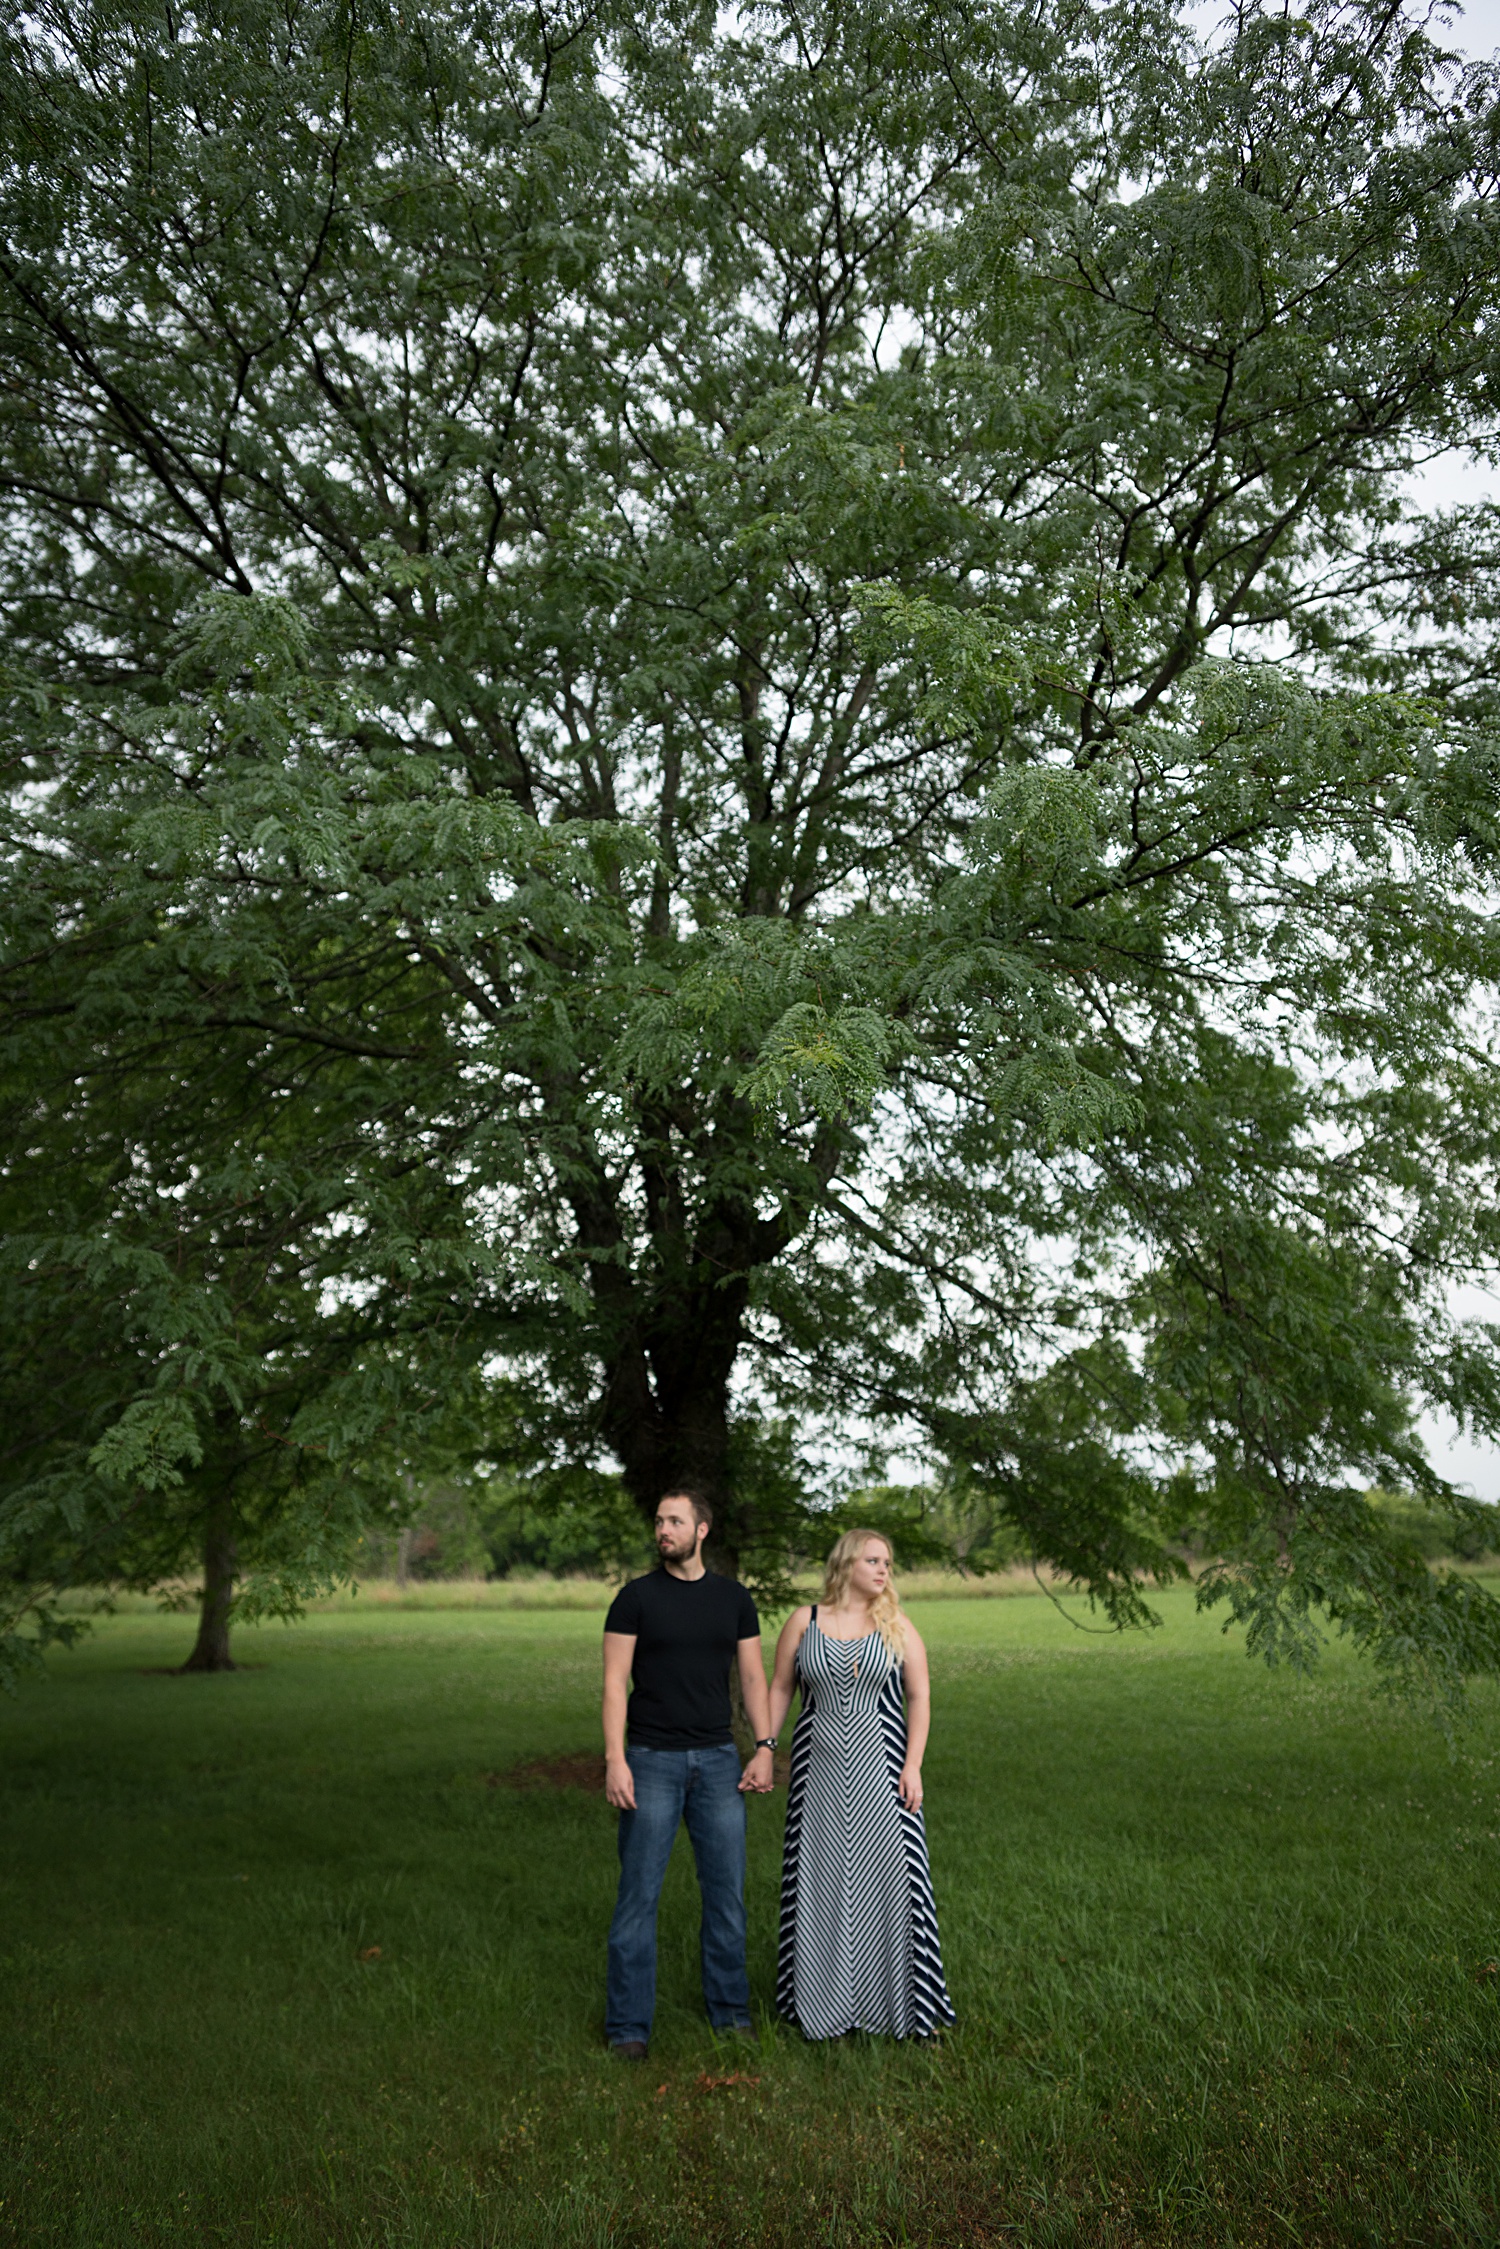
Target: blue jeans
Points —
{"points": [[702, 1787]]}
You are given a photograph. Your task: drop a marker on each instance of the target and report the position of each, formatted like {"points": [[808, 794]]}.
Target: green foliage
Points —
{"points": [[644, 777], [831, 1063], [567, 1524], [920, 1532], [1436, 1534]]}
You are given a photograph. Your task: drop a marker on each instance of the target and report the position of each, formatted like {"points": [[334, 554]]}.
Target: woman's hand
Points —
{"points": [[910, 1788], [759, 1776]]}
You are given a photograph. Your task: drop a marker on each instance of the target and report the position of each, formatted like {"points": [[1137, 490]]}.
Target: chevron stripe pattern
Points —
{"points": [[859, 1936]]}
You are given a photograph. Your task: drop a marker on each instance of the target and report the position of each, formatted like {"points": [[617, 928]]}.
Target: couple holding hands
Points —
{"points": [[859, 1939]]}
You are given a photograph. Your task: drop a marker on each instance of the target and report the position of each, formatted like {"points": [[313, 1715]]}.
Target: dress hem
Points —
{"points": [[863, 2030]]}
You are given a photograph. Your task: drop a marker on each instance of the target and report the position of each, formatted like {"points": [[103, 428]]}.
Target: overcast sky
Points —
{"points": [[1477, 29]]}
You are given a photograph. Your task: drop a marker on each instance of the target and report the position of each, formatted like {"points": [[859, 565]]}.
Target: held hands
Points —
{"points": [[759, 1776], [910, 1787], [619, 1784]]}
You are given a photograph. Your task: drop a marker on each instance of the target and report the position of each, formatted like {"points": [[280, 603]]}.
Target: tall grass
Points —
{"points": [[596, 1593], [537, 1591]]}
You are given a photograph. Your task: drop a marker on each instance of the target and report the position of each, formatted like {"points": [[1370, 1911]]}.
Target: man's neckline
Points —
{"points": [[678, 1579]]}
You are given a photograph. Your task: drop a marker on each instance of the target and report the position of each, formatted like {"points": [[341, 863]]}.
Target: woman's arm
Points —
{"points": [[784, 1677], [918, 1719]]}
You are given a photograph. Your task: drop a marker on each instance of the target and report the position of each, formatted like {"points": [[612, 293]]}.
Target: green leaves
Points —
{"points": [[833, 1063], [644, 763], [231, 637], [150, 1443], [972, 668]]}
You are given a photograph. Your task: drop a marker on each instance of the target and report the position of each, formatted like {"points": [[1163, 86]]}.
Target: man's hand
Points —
{"points": [[759, 1776], [619, 1784]]}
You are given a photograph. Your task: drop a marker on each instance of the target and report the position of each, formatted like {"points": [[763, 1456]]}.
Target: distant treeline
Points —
{"points": [[589, 1528], [497, 1528], [1433, 1533]]}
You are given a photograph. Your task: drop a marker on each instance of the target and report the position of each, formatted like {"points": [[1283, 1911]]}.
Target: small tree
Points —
{"points": [[193, 1369]]}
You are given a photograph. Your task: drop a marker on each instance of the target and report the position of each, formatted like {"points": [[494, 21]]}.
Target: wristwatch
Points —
{"points": [[769, 1742]]}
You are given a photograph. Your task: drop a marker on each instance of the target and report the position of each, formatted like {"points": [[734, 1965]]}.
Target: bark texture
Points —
{"points": [[211, 1651]]}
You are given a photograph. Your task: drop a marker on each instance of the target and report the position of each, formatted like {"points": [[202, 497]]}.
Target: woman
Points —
{"points": [[859, 1937]]}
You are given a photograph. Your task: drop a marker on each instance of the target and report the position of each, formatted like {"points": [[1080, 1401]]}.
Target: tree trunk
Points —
{"points": [[687, 1446], [666, 1413], [212, 1650], [739, 1716], [408, 1533]]}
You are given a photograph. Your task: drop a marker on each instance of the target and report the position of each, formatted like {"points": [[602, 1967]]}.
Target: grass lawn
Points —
{"points": [[1222, 1946]]}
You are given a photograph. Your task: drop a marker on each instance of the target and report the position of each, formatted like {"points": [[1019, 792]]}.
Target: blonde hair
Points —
{"points": [[885, 1610]]}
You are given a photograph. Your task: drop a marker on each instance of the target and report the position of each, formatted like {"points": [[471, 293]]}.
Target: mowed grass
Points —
{"points": [[1220, 1943]]}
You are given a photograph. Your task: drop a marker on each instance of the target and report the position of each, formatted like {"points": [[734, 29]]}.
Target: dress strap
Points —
{"points": [[814, 1616]]}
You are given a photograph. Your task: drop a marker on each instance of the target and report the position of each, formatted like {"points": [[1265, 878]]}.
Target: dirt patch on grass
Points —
{"points": [[181, 1671], [574, 1768]]}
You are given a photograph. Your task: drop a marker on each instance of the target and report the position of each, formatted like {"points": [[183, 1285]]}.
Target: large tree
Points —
{"points": [[658, 632]]}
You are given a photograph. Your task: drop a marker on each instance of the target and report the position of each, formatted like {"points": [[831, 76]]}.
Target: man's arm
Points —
{"points": [[759, 1776], [619, 1781]]}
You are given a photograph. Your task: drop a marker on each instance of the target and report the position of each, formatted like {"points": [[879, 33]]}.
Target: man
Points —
{"points": [[677, 1632]]}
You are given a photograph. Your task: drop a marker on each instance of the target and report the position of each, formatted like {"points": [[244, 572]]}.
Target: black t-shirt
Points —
{"points": [[686, 1633]]}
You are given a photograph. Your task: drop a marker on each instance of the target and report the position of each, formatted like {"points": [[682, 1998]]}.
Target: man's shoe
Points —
{"points": [[629, 2050], [746, 2033]]}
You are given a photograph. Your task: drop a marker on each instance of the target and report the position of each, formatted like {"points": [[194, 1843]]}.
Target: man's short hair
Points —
{"points": [[702, 1510]]}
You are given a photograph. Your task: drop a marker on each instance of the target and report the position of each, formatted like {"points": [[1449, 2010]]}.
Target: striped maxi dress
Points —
{"points": [[859, 1935]]}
